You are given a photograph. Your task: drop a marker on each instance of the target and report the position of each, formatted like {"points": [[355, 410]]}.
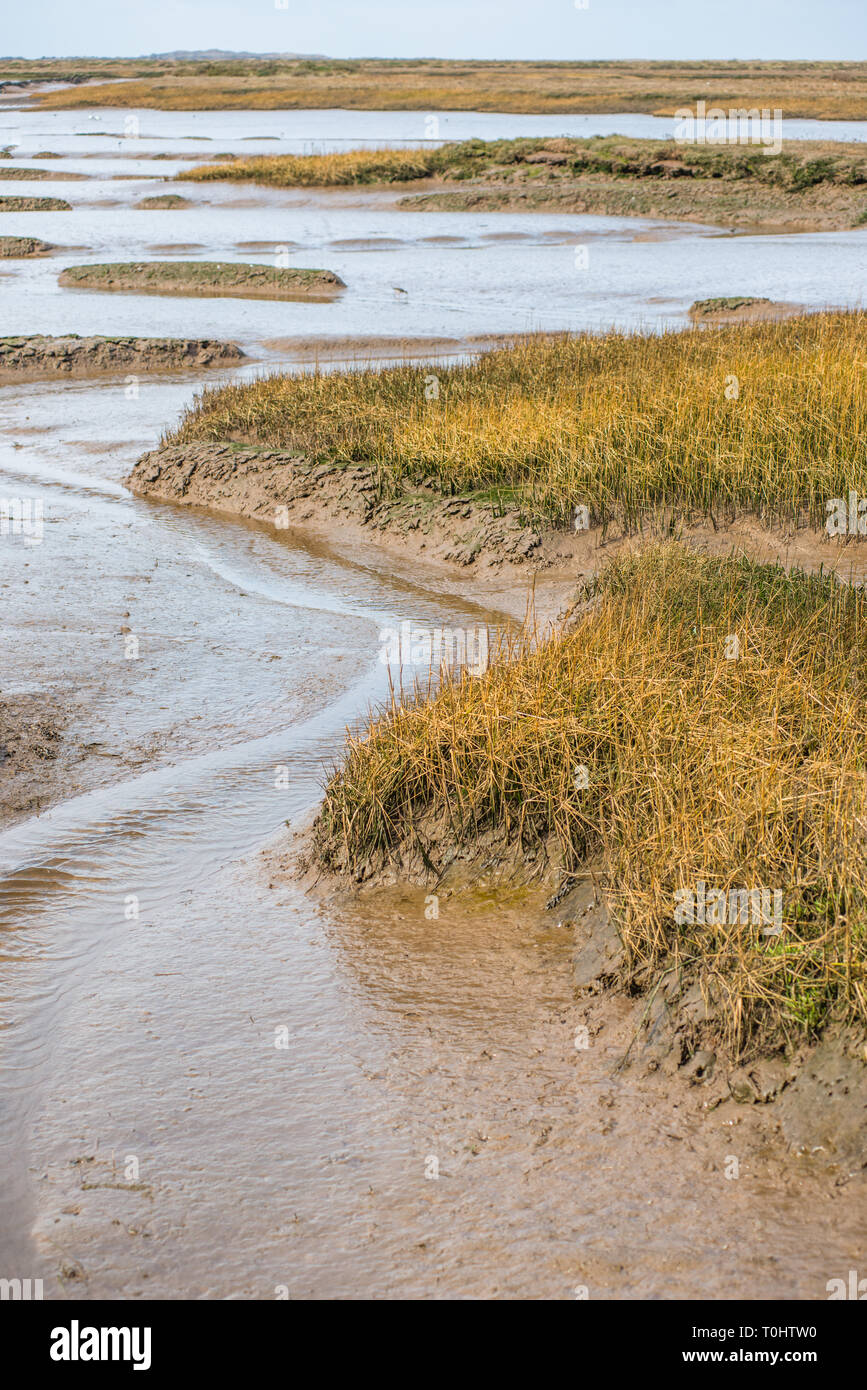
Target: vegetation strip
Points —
{"points": [[803, 165], [766, 418], [819, 184], [219, 278], [834, 91]]}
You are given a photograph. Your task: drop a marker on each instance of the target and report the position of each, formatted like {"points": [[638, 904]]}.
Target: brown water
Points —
{"points": [[155, 1140]]}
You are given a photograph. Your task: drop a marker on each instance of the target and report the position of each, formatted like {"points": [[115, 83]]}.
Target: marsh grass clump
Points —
{"points": [[13, 203], [743, 771], [810, 164], [321, 170], [767, 418]]}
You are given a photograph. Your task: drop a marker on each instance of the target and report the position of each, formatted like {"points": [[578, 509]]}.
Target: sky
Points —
{"points": [[531, 29]]}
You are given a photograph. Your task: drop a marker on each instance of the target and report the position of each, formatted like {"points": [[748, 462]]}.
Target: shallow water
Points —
{"points": [[246, 643], [130, 132], [147, 967], [496, 273], [463, 274]]}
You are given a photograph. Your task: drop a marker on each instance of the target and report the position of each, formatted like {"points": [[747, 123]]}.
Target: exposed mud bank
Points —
{"points": [[473, 543], [659, 1028], [22, 247], [20, 171], [34, 754], [52, 749], [13, 203], [164, 202], [817, 1091], [382, 348], [713, 203], [468, 542], [742, 310], [22, 359]]}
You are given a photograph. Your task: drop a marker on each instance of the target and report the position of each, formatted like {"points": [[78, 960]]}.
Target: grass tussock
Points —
{"points": [[802, 166], [765, 418], [740, 773], [320, 170], [12, 203]]}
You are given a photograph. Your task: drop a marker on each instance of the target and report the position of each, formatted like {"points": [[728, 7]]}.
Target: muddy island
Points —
{"points": [[741, 309], [215, 278], [163, 202], [23, 247], [23, 359], [20, 171], [12, 203], [818, 186]]}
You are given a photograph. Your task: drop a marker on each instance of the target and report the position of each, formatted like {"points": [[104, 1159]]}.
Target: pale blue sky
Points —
{"points": [[818, 29]]}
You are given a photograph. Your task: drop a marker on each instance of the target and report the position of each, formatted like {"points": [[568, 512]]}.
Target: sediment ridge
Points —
{"points": [[22, 359], [215, 278]]}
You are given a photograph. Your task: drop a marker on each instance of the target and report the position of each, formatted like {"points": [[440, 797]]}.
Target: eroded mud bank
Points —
{"points": [[473, 543], [25, 359]]}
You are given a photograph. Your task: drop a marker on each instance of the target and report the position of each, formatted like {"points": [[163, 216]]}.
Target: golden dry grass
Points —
{"points": [[766, 418], [321, 170], [741, 773], [823, 90]]}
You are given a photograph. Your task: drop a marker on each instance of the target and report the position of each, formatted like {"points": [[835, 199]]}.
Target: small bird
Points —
{"points": [[397, 289]]}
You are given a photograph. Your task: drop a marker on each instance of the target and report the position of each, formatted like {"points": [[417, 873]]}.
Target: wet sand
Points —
{"points": [[429, 1129]]}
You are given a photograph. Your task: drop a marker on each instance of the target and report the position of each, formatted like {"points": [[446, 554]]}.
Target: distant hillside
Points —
{"points": [[216, 55]]}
